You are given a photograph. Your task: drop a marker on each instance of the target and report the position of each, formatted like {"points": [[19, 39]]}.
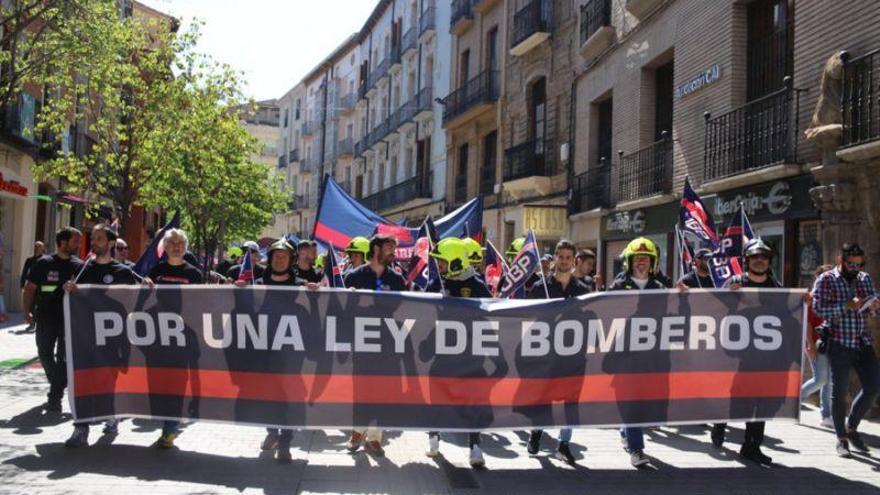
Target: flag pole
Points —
{"points": [[540, 267]]}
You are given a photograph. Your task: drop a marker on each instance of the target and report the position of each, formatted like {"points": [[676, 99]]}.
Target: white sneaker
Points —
{"points": [[638, 458], [477, 461], [433, 446], [827, 423]]}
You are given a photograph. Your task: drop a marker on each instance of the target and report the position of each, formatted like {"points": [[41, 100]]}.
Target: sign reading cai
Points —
{"points": [[705, 78]]}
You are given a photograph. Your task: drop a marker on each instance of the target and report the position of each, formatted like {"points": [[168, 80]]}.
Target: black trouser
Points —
{"points": [[473, 437], [754, 436], [52, 354], [841, 359], [284, 436]]}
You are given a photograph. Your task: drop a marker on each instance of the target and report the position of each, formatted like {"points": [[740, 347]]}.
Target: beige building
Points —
{"points": [[367, 116], [719, 92]]}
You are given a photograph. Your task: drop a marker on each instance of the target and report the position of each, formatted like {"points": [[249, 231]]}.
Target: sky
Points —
{"points": [[275, 43]]}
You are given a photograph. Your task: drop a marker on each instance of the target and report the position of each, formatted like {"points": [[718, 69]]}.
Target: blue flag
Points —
{"points": [[524, 265], [247, 270], [155, 251], [738, 234], [695, 217]]}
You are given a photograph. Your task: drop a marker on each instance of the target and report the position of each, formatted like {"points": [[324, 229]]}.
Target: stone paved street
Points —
{"points": [[215, 458]]}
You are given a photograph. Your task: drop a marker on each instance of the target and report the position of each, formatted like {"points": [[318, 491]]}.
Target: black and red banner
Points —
{"points": [[340, 358]]}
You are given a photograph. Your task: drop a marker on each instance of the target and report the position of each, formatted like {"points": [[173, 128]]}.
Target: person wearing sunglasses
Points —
{"points": [[122, 253], [845, 296]]}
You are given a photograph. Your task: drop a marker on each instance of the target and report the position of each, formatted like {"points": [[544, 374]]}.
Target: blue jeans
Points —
{"points": [[170, 427], [821, 382], [864, 361], [635, 438], [564, 435]]}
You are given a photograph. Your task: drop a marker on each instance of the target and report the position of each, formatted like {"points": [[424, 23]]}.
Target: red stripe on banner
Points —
{"points": [[332, 236], [435, 390]]}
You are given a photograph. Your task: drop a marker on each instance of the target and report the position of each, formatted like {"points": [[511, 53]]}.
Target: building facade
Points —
{"points": [[716, 92]]}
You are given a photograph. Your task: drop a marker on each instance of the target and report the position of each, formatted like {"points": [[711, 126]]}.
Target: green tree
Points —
{"points": [[114, 91], [223, 195]]}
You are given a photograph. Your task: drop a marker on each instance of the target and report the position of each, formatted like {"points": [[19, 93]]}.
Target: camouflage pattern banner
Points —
{"points": [[341, 358]]}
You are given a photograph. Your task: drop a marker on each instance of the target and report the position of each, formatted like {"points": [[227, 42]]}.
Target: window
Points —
{"points": [[770, 47], [605, 115], [285, 117], [663, 87], [538, 115], [298, 108], [487, 171], [492, 49], [464, 68]]}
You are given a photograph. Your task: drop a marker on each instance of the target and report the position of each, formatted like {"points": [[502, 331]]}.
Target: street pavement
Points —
{"points": [[219, 458]]}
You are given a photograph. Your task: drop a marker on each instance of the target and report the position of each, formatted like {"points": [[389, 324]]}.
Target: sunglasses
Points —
{"points": [[854, 266]]}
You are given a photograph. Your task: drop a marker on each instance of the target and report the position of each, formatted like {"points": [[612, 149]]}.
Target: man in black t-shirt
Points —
{"points": [[375, 275], [102, 270], [173, 271], [39, 251], [44, 288], [253, 250], [699, 278], [306, 254], [561, 284], [757, 260]]}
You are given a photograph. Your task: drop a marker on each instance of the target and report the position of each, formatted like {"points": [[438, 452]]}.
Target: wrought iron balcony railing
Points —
{"points": [[535, 17], [282, 161], [461, 9], [398, 194], [591, 189], [646, 172], [860, 98], [345, 147], [529, 159], [293, 155], [408, 42], [426, 21], [595, 14], [761, 133], [481, 89]]}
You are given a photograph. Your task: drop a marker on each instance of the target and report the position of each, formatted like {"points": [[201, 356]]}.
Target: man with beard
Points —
{"points": [[844, 297], [102, 270], [280, 272], [585, 269], [699, 278], [641, 259], [44, 287], [758, 256], [561, 284], [377, 275]]}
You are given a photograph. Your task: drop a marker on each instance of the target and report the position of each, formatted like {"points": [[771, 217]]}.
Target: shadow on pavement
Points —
{"points": [[32, 421], [147, 464]]}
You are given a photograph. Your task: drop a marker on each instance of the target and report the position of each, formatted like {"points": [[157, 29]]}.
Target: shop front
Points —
{"points": [[17, 220], [656, 223], [782, 213]]}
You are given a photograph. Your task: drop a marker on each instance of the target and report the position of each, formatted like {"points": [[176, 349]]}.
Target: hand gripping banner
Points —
{"points": [[339, 358]]}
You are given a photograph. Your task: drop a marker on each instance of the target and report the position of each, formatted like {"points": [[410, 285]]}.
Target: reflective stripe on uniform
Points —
{"points": [[48, 288]]}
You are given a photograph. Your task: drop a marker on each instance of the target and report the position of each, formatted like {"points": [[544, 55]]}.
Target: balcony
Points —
{"points": [[483, 6], [487, 179], [591, 190], [398, 194], [528, 167], [476, 96], [531, 27], [641, 8], [293, 155], [647, 172], [347, 103], [361, 146], [345, 147], [424, 103], [426, 22], [395, 57], [378, 73], [408, 42], [757, 135], [597, 34], [860, 103], [282, 161], [307, 128], [462, 17]]}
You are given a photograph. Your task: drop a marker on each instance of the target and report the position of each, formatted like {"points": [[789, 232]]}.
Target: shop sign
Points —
{"points": [[10, 186], [774, 201], [626, 222], [547, 222], [696, 83]]}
